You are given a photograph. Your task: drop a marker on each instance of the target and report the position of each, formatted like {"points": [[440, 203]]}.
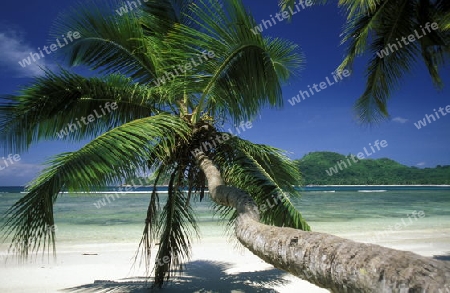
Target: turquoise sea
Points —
{"points": [[362, 213]]}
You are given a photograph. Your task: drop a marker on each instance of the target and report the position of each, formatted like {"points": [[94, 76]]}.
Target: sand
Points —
{"points": [[217, 265]]}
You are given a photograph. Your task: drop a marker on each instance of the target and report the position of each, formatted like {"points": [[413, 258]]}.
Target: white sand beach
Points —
{"points": [[217, 265], [96, 247]]}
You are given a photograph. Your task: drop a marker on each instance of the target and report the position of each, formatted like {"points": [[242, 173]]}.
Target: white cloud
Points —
{"points": [[14, 48], [400, 120], [421, 164], [18, 173]]}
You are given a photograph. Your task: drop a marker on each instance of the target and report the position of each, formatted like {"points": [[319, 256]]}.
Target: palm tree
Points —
{"points": [[170, 75], [382, 29], [165, 127]]}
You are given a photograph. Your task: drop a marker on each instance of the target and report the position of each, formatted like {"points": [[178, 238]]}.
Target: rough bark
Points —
{"points": [[328, 261]]}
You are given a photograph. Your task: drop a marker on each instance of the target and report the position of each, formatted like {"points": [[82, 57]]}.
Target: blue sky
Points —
{"points": [[322, 122]]}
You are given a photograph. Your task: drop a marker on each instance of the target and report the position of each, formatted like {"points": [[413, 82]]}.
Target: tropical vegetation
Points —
{"points": [[384, 171]]}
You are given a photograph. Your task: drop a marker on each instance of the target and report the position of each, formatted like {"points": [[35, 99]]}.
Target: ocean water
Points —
{"points": [[376, 215]]}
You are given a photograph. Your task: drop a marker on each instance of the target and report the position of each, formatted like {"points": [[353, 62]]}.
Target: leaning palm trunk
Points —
{"points": [[328, 261]]}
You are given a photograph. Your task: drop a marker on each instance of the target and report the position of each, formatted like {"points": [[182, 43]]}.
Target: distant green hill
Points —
{"points": [[322, 168]]}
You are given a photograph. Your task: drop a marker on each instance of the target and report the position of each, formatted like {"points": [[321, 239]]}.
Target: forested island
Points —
{"points": [[329, 168]]}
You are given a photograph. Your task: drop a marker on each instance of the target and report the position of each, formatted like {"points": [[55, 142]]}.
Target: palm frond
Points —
{"points": [[109, 42], [386, 25], [229, 88], [435, 43], [150, 234], [445, 22], [285, 63], [359, 8], [106, 160], [70, 107], [267, 175], [385, 72], [159, 16], [178, 224], [357, 33]]}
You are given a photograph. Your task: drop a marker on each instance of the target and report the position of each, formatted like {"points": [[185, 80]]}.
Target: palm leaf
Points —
{"points": [[151, 223], [359, 8], [386, 24], [435, 43], [108, 159], [178, 223], [54, 102], [267, 175], [384, 74], [109, 42], [227, 84], [163, 15]]}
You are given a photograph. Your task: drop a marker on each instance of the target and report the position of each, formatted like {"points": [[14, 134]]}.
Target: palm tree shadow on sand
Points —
{"points": [[445, 257], [198, 276]]}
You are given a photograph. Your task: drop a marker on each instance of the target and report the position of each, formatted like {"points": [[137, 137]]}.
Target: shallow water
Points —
{"points": [[366, 216]]}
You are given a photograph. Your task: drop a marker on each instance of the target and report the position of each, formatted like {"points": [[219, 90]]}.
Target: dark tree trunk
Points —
{"points": [[328, 261]]}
